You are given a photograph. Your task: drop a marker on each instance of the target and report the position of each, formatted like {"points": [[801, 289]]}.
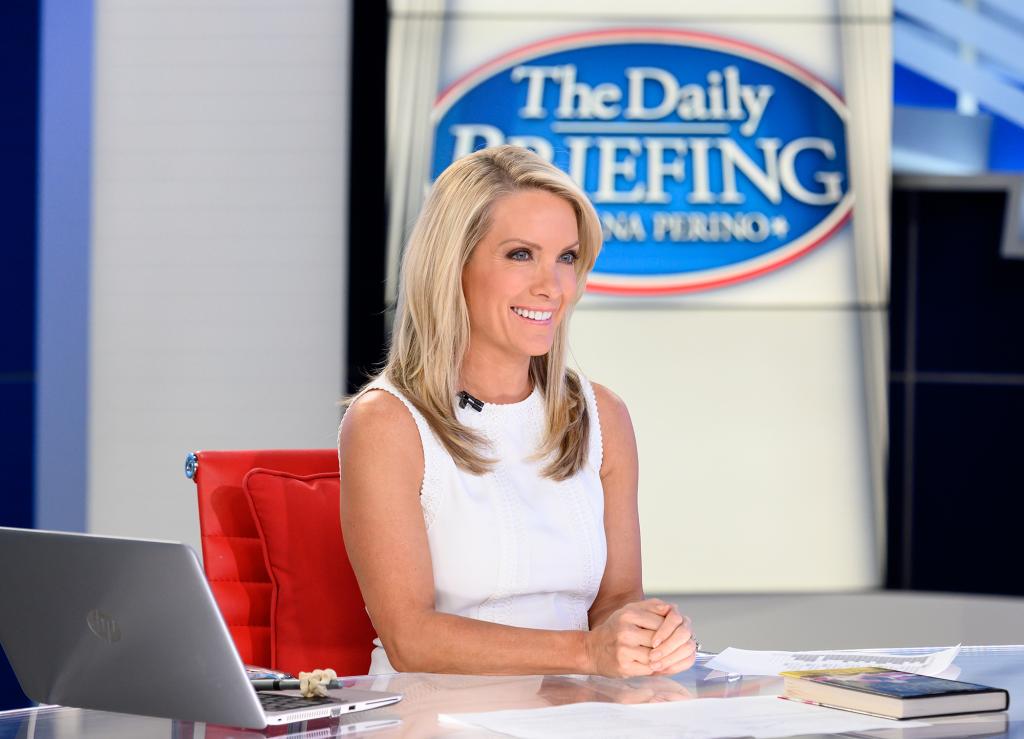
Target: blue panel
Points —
{"points": [[911, 88], [967, 511], [963, 448], [10, 692], [901, 203], [19, 49], [19, 78], [16, 498], [970, 299], [64, 226], [17, 273], [895, 561], [1006, 146], [16, 453]]}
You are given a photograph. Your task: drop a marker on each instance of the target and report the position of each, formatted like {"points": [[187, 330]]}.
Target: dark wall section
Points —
{"points": [[19, 81], [956, 394], [367, 206]]}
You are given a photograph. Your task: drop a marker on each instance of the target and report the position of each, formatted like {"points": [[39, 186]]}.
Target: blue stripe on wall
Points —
{"points": [[66, 85], [19, 77], [911, 88], [1006, 151]]}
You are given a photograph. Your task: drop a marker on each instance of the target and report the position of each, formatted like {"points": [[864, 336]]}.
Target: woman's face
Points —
{"points": [[521, 277]]}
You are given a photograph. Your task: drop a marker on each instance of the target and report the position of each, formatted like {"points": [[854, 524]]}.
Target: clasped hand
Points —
{"points": [[649, 637]]}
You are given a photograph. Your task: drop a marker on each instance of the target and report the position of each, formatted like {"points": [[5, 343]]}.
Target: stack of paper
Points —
{"points": [[749, 662], [703, 718]]}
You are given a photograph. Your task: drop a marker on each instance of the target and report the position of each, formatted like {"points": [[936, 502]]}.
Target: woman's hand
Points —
{"points": [[621, 645], [673, 648]]}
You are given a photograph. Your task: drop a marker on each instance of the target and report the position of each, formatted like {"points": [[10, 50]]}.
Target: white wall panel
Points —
{"points": [[753, 451], [218, 244]]}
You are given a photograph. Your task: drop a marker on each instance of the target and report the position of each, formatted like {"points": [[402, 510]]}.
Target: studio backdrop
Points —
{"points": [[740, 167]]}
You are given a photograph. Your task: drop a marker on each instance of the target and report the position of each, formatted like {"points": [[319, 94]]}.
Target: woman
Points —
{"points": [[489, 495]]}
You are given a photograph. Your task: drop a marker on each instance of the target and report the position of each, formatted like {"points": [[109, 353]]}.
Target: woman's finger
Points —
{"points": [[681, 659], [671, 622], [642, 617], [655, 605], [676, 640], [637, 636], [684, 624], [632, 661]]}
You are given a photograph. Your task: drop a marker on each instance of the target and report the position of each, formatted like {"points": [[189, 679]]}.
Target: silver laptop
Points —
{"points": [[130, 625]]}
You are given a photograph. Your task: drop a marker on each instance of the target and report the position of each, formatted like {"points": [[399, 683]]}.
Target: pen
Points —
{"points": [[293, 684]]}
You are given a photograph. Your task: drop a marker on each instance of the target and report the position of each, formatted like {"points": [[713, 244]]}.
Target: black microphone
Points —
{"points": [[467, 399]]}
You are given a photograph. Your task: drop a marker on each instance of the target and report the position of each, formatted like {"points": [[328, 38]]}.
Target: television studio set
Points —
{"points": [[269, 470]]}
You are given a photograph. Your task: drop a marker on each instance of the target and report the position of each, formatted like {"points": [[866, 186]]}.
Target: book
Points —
{"points": [[890, 693]]}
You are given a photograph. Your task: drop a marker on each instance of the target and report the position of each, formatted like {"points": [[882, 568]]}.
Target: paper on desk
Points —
{"points": [[751, 662], [703, 718]]}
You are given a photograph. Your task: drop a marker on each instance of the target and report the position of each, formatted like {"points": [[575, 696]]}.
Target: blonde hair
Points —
{"points": [[431, 329]]}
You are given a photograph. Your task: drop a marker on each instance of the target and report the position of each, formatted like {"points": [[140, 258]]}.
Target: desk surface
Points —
{"points": [[428, 695]]}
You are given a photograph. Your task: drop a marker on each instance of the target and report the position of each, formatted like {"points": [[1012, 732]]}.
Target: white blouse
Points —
{"points": [[510, 546]]}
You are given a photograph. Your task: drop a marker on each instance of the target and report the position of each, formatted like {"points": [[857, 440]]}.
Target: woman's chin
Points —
{"points": [[535, 348]]}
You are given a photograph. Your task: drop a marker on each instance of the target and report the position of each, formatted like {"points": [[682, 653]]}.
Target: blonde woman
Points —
{"points": [[489, 494]]}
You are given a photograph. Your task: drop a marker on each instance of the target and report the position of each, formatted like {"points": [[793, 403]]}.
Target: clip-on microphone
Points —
{"points": [[467, 399]]}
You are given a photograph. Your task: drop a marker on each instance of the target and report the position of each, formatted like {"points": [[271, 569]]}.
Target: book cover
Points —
{"points": [[893, 683], [892, 693]]}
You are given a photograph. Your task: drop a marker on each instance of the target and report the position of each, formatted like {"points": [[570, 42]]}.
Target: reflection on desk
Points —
{"points": [[428, 695]]}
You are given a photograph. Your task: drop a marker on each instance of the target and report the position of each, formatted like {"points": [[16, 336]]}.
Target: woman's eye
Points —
{"points": [[519, 255], [569, 257]]}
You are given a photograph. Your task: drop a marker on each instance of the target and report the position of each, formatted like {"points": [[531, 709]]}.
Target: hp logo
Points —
{"points": [[103, 626]]}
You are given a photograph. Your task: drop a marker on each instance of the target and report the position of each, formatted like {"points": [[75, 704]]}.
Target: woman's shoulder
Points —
{"points": [[380, 418], [379, 404], [616, 427], [610, 407]]}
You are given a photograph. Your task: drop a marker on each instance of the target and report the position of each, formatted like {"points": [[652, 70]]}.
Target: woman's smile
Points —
{"points": [[537, 316]]}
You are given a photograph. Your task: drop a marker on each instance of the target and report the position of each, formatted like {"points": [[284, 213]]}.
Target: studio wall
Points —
{"points": [[217, 248]]}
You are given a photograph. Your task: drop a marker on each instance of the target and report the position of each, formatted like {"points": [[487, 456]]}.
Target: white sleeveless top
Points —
{"points": [[510, 546]]}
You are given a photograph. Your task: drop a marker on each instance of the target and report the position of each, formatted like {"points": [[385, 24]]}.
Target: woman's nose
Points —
{"points": [[546, 282]]}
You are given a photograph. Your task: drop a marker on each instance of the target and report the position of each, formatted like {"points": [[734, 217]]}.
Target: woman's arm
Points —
{"points": [[622, 584], [622, 581], [386, 540]]}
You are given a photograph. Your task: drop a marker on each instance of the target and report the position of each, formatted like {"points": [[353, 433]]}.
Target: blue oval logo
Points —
{"points": [[709, 161]]}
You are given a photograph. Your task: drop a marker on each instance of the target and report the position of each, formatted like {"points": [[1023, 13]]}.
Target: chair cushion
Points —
{"points": [[300, 526]]}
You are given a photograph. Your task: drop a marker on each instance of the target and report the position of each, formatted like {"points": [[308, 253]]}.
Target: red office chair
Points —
{"points": [[233, 553]]}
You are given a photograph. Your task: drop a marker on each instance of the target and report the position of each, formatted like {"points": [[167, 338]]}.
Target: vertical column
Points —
{"points": [[65, 202], [19, 69]]}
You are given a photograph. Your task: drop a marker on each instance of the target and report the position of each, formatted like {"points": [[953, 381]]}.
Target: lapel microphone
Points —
{"points": [[467, 399]]}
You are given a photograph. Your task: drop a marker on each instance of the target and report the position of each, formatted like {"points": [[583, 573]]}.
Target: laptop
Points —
{"points": [[130, 625]]}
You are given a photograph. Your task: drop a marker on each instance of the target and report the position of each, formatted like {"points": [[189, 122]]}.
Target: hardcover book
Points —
{"points": [[890, 693]]}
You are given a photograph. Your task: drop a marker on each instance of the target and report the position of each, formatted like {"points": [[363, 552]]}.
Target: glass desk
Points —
{"points": [[428, 695]]}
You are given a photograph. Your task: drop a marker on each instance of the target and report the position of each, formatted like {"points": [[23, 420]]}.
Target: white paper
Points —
{"points": [[703, 718], [751, 662]]}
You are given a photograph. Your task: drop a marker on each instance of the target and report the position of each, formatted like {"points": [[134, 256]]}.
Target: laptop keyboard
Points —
{"points": [[279, 702]]}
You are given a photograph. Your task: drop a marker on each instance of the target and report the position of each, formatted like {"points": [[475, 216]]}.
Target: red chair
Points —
{"points": [[233, 553]]}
